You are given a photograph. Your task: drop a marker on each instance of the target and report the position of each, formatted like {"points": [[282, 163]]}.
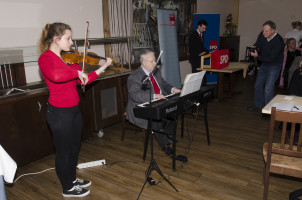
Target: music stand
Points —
{"points": [[152, 165]]}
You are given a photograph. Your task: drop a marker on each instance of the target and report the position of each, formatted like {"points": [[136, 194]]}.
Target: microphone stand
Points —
{"points": [[152, 165]]}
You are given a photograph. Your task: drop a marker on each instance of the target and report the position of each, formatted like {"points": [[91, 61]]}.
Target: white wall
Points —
{"points": [[185, 68], [22, 22], [222, 7], [253, 13]]}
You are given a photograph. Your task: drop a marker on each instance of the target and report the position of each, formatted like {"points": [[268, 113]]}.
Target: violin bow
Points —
{"points": [[85, 51]]}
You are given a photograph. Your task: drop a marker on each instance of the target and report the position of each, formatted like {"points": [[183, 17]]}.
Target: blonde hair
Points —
{"points": [[49, 32]]}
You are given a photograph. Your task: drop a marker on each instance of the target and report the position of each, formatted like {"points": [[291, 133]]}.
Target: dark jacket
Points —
{"points": [[295, 86], [271, 52], [195, 48], [137, 96]]}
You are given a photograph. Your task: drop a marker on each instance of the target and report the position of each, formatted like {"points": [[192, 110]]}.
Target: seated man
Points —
{"points": [[137, 95], [295, 88], [295, 65], [290, 53]]}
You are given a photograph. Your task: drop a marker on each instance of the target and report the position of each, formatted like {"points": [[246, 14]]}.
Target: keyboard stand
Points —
{"points": [[205, 121], [173, 145]]}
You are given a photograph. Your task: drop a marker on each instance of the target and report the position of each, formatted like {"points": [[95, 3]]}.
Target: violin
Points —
{"points": [[73, 57], [91, 58]]}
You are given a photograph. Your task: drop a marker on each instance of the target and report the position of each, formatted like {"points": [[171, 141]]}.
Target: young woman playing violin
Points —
{"points": [[63, 112]]}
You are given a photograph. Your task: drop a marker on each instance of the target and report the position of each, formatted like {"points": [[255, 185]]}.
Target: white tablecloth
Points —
{"points": [[8, 166], [8, 169]]}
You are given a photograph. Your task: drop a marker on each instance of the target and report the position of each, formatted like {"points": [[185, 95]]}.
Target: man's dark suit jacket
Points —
{"points": [[137, 96], [195, 48]]}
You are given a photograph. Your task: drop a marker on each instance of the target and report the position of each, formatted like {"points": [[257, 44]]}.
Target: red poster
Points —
{"points": [[213, 44], [172, 20]]}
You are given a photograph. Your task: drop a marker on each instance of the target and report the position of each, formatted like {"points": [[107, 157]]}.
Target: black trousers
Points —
{"points": [[66, 126], [167, 125]]}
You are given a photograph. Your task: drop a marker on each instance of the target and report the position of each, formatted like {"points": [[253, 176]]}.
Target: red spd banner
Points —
{"points": [[220, 59], [172, 20], [213, 44]]}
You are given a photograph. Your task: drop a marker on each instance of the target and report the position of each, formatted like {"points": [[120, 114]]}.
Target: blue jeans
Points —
{"points": [[265, 84]]}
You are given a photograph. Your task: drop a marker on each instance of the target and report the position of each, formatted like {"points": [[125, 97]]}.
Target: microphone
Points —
{"points": [[155, 70], [145, 84], [145, 78]]}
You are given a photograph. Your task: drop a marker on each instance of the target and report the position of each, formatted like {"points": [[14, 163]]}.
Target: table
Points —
{"points": [[2, 189], [231, 69], [266, 110], [8, 169], [281, 99]]}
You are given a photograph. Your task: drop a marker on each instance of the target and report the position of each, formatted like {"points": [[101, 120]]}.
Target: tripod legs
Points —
{"points": [[295, 194], [153, 166]]}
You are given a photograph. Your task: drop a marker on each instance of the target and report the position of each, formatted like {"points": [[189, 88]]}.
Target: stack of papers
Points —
{"points": [[287, 106]]}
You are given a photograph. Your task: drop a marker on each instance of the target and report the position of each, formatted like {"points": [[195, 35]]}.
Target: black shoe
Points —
{"points": [[168, 151], [151, 181], [76, 192], [81, 183], [170, 139], [253, 108]]}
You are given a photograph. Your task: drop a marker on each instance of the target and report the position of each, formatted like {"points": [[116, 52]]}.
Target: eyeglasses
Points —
{"points": [[150, 60]]}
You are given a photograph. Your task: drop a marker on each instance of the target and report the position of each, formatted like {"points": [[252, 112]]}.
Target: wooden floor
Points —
{"points": [[230, 168]]}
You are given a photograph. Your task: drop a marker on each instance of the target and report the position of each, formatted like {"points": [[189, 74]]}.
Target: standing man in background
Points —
{"points": [[269, 50], [196, 45], [295, 33]]}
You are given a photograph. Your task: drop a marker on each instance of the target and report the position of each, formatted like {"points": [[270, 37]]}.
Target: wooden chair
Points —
{"points": [[282, 157], [122, 84]]}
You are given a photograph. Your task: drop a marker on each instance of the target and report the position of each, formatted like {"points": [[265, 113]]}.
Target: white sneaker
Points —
{"points": [[81, 183], [76, 191]]}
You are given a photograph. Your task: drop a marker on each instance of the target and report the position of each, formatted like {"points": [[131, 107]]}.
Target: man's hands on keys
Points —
{"points": [[159, 96], [175, 90]]}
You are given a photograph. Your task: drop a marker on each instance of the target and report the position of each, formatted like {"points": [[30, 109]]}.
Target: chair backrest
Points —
{"points": [[284, 147], [122, 84]]}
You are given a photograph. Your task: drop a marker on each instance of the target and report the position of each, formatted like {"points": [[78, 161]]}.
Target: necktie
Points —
{"points": [[200, 37], [155, 86]]}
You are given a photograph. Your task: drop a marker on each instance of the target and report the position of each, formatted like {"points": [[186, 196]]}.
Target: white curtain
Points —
{"points": [[120, 23]]}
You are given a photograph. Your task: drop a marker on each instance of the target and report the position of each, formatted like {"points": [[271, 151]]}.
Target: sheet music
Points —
{"points": [[192, 83]]}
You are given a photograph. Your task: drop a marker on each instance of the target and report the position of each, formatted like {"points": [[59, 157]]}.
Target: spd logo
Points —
{"points": [[224, 59], [172, 20], [213, 44]]}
